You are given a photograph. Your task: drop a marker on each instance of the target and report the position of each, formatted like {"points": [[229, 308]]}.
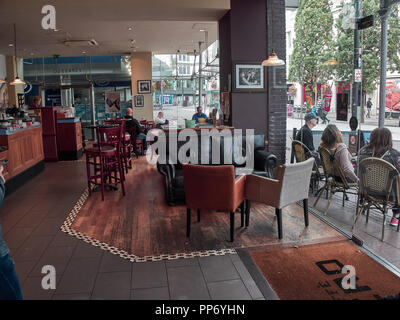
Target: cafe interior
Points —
{"points": [[103, 189]]}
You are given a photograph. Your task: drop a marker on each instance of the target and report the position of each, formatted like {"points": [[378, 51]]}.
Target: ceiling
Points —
{"points": [[159, 26]]}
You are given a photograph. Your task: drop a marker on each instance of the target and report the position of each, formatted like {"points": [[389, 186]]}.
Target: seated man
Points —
{"points": [[160, 120], [131, 122], [305, 135], [199, 114]]}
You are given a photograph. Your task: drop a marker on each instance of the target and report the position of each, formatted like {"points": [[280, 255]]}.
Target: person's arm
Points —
{"points": [[343, 155]]}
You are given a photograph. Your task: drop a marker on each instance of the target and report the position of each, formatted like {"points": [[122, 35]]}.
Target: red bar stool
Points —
{"points": [[105, 158], [126, 145]]}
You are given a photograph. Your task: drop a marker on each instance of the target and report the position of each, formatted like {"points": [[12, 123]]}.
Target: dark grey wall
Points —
{"points": [[245, 34]]}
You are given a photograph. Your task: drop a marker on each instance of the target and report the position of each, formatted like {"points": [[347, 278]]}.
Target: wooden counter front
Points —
{"points": [[25, 149]]}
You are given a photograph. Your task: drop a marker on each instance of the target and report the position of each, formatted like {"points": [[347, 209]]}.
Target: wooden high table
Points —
{"points": [[24, 154]]}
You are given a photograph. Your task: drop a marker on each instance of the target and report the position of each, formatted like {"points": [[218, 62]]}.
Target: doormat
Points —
{"points": [[317, 272]]}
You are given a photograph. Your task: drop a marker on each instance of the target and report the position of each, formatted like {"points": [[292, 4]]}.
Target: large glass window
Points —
{"points": [[176, 84]]}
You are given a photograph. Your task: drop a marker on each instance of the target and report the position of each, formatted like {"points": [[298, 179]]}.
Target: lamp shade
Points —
{"points": [[16, 81], [273, 61]]}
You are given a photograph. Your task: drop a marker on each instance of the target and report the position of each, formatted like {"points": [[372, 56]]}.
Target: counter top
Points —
{"points": [[7, 132], [68, 120]]}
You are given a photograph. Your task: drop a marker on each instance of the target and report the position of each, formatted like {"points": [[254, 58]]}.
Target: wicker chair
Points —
{"points": [[335, 180], [302, 153], [379, 186]]}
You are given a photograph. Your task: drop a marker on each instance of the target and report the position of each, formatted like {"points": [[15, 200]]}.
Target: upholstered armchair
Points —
{"points": [[215, 188], [291, 185]]}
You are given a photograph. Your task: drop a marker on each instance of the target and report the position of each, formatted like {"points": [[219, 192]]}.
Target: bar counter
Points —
{"points": [[24, 154]]}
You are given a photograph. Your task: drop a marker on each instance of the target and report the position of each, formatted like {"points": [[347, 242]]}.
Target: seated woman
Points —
{"points": [[332, 140], [381, 146]]}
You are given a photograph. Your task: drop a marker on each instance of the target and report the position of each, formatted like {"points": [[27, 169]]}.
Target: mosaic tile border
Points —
{"points": [[66, 227]]}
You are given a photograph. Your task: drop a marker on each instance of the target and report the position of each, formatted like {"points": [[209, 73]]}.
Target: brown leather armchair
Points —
{"points": [[216, 188]]}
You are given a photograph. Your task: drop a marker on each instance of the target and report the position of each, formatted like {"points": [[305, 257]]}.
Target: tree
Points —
{"points": [[370, 43], [313, 44]]}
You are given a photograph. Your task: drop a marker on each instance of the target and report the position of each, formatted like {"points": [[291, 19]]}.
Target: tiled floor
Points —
{"points": [[31, 220]]}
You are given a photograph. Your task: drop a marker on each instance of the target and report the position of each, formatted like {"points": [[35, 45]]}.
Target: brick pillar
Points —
{"points": [[276, 40]]}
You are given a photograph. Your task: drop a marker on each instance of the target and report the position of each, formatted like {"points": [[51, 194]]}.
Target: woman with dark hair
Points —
{"points": [[381, 146], [332, 140]]}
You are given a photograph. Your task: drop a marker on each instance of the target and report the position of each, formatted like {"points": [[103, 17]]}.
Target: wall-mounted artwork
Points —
{"points": [[248, 77], [144, 86], [139, 101]]}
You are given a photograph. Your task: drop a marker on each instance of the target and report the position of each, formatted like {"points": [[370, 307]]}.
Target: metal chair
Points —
{"points": [[302, 153], [335, 180], [379, 187]]}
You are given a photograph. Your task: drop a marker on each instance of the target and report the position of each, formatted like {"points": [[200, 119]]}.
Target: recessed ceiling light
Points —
{"points": [[84, 52], [56, 30], [202, 30], [11, 45], [130, 28], [32, 54]]}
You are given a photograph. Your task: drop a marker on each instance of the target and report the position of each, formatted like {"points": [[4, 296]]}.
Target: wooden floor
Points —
{"points": [[142, 224]]}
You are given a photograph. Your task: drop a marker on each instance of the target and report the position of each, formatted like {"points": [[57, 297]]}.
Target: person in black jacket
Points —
{"points": [[10, 288], [304, 134], [131, 122]]}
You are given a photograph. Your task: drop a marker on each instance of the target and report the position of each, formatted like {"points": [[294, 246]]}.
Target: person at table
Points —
{"points": [[332, 140], [381, 146], [131, 122], [10, 288], [37, 103], [160, 120], [199, 114], [305, 135]]}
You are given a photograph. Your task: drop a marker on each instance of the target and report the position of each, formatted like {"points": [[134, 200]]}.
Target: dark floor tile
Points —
{"points": [[33, 248], [55, 257], [17, 236], [113, 263], [228, 290], [248, 281], [49, 226], [149, 275], [187, 283], [181, 262], [32, 289], [150, 294], [87, 251], [63, 239], [79, 276], [112, 286], [73, 296], [23, 269], [31, 220], [218, 268]]}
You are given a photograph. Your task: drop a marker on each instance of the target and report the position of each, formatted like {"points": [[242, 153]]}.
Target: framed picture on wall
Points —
{"points": [[139, 101], [248, 77], [144, 86]]}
